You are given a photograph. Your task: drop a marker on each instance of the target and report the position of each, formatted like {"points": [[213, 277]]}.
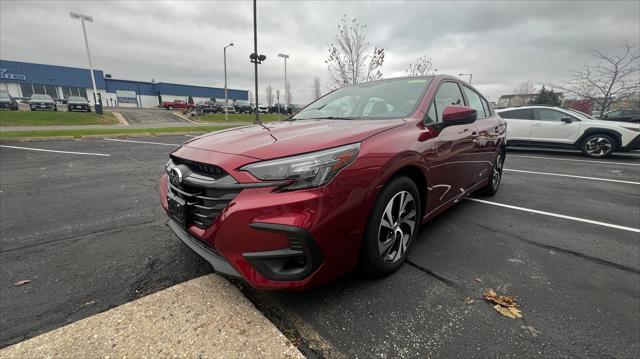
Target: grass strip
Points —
{"points": [[77, 133], [51, 118]]}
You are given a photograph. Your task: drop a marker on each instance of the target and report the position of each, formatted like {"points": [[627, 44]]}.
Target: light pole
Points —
{"points": [[255, 58], [226, 100], [83, 18], [470, 76], [286, 93]]}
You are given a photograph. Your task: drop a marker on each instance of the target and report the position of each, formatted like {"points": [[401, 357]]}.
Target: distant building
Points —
{"points": [[23, 79]]}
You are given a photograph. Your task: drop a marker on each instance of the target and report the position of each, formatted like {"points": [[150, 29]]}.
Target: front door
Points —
{"points": [[551, 125], [453, 165]]}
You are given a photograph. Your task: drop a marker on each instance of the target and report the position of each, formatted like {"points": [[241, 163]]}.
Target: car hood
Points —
{"points": [[279, 139], [41, 101], [77, 102], [5, 100]]}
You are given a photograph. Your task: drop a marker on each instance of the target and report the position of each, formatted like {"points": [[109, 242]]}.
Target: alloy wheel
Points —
{"points": [[396, 226], [497, 171], [598, 146]]}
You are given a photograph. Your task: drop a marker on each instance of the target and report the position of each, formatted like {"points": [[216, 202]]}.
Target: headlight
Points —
{"points": [[308, 170]]}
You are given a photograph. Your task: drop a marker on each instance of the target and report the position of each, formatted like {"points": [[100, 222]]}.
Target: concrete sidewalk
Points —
{"points": [[206, 317]]}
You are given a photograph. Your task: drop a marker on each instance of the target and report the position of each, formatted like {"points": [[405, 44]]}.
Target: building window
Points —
{"points": [[51, 91], [26, 89]]}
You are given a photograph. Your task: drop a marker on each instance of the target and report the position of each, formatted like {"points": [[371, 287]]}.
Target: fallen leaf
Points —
{"points": [[21, 282], [507, 311], [533, 331], [468, 300], [478, 280]]}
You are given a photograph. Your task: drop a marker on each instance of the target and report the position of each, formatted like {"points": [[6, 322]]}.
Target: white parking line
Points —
{"points": [[572, 160], [145, 142], [572, 176], [551, 214], [68, 152]]}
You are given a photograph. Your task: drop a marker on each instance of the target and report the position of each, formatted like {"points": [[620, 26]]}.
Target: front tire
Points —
{"points": [[598, 145], [392, 228], [496, 176]]}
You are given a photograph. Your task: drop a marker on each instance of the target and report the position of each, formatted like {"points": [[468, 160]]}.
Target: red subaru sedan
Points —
{"points": [[346, 181]]}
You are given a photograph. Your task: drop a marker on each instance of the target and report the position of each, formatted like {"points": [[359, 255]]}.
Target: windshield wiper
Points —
{"points": [[330, 118]]}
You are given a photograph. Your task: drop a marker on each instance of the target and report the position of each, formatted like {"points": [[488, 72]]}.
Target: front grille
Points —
{"points": [[206, 169], [203, 205]]}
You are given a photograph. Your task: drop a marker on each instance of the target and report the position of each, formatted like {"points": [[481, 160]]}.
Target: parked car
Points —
{"points": [[244, 108], [6, 101], [78, 103], [229, 109], [564, 128], [42, 102], [630, 115], [296, 203], [170, 105], [280, 108], [263, 109], [208, 107]]}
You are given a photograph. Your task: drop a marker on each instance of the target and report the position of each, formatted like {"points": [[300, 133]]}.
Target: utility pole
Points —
{"points": [[286, 91], [96, 99], [256, 59], [226, 100]]}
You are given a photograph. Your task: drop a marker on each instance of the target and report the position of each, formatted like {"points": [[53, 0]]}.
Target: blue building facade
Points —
{"points": [[22, 79]]}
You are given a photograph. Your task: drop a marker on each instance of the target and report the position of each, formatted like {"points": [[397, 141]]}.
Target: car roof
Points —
{"points": [[528, 107]]}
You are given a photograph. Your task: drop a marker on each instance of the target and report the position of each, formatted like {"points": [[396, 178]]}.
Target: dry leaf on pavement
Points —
{"points": [[468, 300], [505, 305], [21, 282]]}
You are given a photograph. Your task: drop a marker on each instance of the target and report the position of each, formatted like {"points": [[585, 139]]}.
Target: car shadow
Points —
{"points": [[570, 153]]}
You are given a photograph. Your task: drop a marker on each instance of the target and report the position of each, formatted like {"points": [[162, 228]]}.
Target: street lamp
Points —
{"points": [[286, 93], [83, 18], [470, 76], [255, 58], [226, 100]]}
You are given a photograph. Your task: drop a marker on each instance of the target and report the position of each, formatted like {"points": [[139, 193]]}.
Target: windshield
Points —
{"points": [[77, 99], [5, 96], [41, 97], [579, 114], [382, 99]]}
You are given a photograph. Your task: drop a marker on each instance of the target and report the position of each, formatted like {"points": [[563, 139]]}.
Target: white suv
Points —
{"points": [[561, 127]]}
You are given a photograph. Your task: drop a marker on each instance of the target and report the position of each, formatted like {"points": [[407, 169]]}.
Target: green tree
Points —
{"points": [[546, 97]]}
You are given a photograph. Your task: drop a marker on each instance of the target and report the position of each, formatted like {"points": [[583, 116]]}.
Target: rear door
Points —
{"points": [[487, 129], [519, 124], [548, 126]]}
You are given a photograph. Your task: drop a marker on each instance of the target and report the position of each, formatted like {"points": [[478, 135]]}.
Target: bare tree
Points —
{"points": [[268, 95], [287, 93], [317, 92], [351, 59], [422, 67], [608, 78], [525, 88]]}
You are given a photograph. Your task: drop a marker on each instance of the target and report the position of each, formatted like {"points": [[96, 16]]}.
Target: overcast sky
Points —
{"points": [[502, 43]]}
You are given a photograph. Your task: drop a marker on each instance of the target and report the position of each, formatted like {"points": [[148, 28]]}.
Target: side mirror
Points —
{"points": [[458, 115], [566, 119]]}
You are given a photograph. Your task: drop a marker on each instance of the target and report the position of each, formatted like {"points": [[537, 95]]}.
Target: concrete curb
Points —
{"points": [[203, 318], [36, 139]]}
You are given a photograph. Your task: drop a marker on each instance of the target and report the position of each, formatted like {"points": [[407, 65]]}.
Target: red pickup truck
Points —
{"points": [[170, 105]]}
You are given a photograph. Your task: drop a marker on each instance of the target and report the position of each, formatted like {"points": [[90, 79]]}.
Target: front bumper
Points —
{"points": [[633, 145], [279, 240], [73, 107], [6, 105], [41, 106]]}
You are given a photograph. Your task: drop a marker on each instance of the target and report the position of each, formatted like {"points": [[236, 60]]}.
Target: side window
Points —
{"points": [[543, 114], [487, 109], [524, 114], [474, 101], [432, 116], [448, 95]]}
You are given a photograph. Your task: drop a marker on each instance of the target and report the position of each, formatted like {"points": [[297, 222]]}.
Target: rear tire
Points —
{"points": [[598, 145], [392, 228], [496, 176]]}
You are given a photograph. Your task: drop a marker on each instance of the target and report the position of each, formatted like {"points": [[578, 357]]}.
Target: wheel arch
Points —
{"points": [[617, 136]]}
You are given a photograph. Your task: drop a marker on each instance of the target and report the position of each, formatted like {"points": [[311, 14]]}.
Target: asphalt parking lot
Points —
{"points": [[85, 226]]}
